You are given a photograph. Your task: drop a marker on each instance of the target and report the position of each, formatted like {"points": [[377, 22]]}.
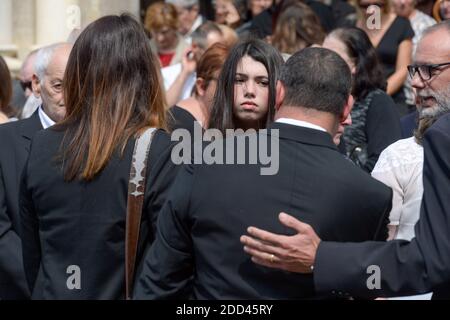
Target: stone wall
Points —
{"points": [[29, 24]]}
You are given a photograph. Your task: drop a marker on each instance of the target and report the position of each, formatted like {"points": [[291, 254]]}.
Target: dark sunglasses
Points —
{"points": [[425, 70], [26, 85]]}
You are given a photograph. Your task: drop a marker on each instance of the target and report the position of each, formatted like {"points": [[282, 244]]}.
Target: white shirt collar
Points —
{"points": [[300, 123], [45, 120]]}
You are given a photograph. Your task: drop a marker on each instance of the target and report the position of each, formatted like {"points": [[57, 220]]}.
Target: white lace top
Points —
{"points": [[400, 167]]}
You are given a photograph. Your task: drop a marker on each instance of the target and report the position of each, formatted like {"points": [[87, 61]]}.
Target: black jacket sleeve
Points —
{"points": [[29, 233], [12, 281], [168, 265], [406, 268]]}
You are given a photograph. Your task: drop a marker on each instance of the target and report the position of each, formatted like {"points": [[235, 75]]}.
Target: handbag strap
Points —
{"points": [[136, 190]]}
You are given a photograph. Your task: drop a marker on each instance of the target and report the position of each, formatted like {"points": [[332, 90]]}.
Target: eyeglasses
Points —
{"points": [[26, 85], [425, 70]]}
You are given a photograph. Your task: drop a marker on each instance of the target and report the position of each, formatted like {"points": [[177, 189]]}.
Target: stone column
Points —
{"points": [[54, 20], [6, 23], [24, 25]]}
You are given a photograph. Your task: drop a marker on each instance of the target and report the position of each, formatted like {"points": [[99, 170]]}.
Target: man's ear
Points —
{"points": [[200, 86], [347, 108], [280, 95], [36, 85]]}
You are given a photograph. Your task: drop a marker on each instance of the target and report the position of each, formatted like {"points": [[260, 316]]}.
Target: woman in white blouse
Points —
{"points": [[400, 167]]}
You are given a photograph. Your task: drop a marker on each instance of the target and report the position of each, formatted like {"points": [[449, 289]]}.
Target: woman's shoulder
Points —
{"points": [[380, 98], [403, 27]]}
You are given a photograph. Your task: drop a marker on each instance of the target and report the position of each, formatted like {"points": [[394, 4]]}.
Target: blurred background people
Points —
{"points": [[392, 39], [297, 27], [161, 21], [375, 121], [441, 10], [232, 13], [179, 79], [189, 17]]}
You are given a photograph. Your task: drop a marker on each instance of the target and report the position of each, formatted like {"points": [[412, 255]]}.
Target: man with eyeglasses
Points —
{"points": [[15, 140], [399, 267]]}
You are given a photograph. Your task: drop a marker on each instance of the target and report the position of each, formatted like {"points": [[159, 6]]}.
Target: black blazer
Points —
{"points": [[199, 230], [81, 225], [407, 268], [15, 140]]}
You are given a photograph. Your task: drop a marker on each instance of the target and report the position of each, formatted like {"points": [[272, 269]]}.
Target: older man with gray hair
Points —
{"points": [[15, 139], [189, 16]]}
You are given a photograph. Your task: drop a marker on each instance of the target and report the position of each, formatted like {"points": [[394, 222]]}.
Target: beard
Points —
{"points": [[428, 116], [441, 106]]}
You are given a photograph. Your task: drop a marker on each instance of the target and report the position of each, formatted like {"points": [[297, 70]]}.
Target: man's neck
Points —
{"points": [[325, 120]]}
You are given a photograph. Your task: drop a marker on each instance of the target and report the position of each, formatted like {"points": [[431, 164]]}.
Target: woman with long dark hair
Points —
{"points": [[74, 190], [246, 90], [375, 122]]}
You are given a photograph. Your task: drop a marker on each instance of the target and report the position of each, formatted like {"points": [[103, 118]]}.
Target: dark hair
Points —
{"points": [[5, 89], [297, 27], [369, 73], [316, 78], [200, 34], [112, 93], [222, 110]]}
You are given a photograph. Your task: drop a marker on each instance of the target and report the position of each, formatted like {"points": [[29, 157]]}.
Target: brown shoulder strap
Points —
{"points": [[136, 190]]}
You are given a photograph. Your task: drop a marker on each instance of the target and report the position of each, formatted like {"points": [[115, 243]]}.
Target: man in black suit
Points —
{"points": [[211, 205], [404, 268], [15, 140]]}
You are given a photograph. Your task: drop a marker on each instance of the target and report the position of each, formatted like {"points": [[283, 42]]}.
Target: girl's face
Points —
{"points": [[336, 45], [251, 93]]}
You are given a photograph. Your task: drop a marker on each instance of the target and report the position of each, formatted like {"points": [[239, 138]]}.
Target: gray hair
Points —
{"points": [[183, 3], [438, 26], [43, 58]]}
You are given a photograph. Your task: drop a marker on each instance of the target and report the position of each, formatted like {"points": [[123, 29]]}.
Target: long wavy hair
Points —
{"points": [[112, 93], [297, 27], [369, 73]]}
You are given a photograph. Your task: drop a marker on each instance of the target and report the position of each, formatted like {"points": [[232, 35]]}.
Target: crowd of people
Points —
{"points": [[360, 116]]}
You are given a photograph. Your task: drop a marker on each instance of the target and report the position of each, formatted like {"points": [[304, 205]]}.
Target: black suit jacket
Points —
{"points": [[15, 140], [78, 228], [210, 207], [407, 268]]}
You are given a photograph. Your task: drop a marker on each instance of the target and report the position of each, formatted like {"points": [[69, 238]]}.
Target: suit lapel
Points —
{"points": [[28, 129]]}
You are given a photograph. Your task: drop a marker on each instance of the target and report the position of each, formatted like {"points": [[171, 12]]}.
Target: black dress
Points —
{"points": [[375, 126], [387, 50]]}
